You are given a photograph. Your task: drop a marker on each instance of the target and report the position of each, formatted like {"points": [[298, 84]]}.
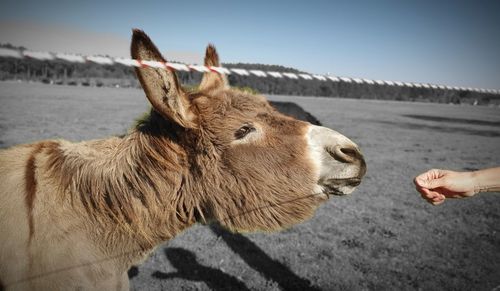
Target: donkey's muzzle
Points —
{"points": [[340, 162]]}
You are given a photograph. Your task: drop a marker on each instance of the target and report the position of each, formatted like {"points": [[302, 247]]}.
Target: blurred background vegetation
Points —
{"points": [[60, 72]]}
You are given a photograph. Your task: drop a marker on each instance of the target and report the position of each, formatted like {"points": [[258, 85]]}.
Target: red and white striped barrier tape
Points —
{"points": [[47, 56]]}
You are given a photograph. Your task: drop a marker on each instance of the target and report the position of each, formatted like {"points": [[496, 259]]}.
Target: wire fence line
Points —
{"points": [[105, 60]]}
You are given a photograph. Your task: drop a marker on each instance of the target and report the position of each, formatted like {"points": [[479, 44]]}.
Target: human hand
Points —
{"points": [[436, 185]]}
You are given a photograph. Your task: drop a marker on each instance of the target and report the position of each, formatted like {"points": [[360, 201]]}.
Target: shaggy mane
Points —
{"points": [[123, 180]]}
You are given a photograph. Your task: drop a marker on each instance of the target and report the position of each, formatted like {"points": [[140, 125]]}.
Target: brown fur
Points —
{"points": [[95, 208], [31, 183], [31, 187]]}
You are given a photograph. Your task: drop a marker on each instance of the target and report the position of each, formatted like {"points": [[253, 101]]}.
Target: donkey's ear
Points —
{"points": [[161, 85], [212, 80]]}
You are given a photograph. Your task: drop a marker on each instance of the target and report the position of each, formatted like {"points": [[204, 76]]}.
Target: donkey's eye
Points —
{"points": [[243, 131]]}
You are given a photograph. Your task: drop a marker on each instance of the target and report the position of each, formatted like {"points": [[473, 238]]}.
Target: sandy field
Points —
{"points": [[382, 237]]}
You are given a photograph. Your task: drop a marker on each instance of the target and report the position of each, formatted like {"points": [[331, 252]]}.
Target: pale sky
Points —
{"points": [[448, 42]]}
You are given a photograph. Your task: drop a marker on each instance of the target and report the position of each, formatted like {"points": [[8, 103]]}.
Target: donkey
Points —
{"points": [[79, 215]]}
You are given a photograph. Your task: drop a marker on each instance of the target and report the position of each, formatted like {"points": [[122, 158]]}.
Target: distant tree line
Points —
{"points": [[117, 75], [301, 87]]}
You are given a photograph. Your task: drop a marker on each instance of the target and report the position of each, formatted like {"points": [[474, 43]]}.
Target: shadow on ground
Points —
{"points": [[452, 120], [257, 259], [295, 111], [188, 268], [439, 128]]}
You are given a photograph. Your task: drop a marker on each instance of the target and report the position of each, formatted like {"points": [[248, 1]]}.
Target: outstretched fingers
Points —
{"points": [[430, 179], [430, 196]]}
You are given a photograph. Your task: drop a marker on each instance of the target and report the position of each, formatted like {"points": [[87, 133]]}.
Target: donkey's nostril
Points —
{"points": [[352, 152], [347, 154]]}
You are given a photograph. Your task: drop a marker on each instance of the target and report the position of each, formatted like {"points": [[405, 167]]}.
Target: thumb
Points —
{"points": [[429, 183]]}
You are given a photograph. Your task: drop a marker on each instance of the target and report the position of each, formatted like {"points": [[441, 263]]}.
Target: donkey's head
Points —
{"points": [[249, 167]]}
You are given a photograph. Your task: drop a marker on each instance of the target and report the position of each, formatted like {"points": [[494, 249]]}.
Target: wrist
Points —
{"points": [[487, 180], [475, 180]]}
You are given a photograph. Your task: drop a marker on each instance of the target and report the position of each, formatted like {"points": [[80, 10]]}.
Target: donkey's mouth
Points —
{"points": [[340, 186]]}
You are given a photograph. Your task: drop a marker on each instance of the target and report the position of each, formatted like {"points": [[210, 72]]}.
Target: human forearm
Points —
{"points": [[487, 180]]}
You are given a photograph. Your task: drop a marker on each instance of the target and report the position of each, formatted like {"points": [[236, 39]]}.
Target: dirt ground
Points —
{"points": [[382, 237]]}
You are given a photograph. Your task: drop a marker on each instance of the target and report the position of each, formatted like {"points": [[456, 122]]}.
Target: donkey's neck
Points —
{"points": [[130, 188]]}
